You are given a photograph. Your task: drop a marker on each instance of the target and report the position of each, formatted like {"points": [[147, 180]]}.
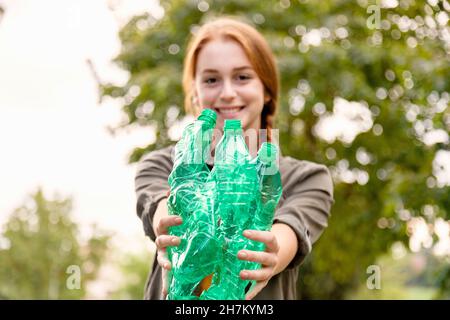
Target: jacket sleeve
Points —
{"points": [[151, 185], [308, 197]]}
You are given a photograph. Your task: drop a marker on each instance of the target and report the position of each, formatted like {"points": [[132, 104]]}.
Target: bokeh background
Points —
{"points": [[89, 86]]}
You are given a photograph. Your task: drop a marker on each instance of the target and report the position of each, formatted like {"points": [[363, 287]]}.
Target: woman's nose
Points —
{"points": [[228, 91]]}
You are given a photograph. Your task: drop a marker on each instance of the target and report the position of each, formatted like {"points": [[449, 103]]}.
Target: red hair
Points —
{"points": [[257, 50]]}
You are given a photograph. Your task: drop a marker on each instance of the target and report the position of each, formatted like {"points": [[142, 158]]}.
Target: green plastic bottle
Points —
{"points": [[187, 199], [268, 195], [247, 192], [270, 187], [235, 203], [239, 193], [270, 190]]}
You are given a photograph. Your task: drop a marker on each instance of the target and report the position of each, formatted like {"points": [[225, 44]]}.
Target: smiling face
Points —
{"points": [[226, 82]]}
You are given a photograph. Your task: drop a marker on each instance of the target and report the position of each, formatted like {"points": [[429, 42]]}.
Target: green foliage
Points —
{"points": [[40, 244], [400, 73], [135, 269], [413, 276], [444, 283]]}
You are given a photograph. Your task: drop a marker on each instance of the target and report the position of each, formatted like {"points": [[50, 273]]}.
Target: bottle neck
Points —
{"points": [[252, 145]]}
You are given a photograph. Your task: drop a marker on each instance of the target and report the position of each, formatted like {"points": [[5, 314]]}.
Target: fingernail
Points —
{"points": [[247, 233], [166, 265], [175, 241], [178, 220], [242, 255], [244, 275]]}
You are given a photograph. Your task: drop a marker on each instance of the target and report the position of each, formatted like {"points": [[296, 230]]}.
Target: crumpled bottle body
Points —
{"points": [[245, 198], [187, 199], [216, 207]]}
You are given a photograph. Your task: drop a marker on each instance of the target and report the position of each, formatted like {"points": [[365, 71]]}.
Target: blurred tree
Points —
{"points": [[41, 256], [444, 281], [412, 276], [341, 68], [135, 269]]}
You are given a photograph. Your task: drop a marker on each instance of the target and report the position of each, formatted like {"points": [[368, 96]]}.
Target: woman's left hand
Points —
{"points": [[268, 260]]}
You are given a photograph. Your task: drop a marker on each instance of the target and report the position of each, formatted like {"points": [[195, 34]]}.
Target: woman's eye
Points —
{"points": [[243, 77], [210, 80]]}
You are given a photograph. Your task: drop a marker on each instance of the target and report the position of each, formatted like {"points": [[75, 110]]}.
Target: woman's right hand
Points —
{"points": [[164, 240]]}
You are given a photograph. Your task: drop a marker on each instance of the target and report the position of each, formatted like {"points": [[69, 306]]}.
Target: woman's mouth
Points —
{"points": [[228, 112]]}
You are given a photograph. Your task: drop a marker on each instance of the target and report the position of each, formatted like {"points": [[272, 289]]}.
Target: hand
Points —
{"points": [[162, 241], [268, 260]]}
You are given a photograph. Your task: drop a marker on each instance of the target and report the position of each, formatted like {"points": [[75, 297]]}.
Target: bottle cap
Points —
{"points": [[232, 124], [268, 153], [209, 116]]}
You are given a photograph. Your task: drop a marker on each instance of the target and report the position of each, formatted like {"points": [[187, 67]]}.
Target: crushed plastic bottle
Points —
{"points": [[239, 193], [246, 197], [235, 185], [190, 260], [270, 190]]}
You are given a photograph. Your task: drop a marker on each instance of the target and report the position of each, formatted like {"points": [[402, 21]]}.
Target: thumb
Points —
{"points": [[165, 278]]}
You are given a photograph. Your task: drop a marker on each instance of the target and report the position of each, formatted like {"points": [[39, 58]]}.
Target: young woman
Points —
{"points": [[230, 68]]}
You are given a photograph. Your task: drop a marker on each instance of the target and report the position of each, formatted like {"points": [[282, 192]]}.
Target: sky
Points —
{"points": [[53, 131]]}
